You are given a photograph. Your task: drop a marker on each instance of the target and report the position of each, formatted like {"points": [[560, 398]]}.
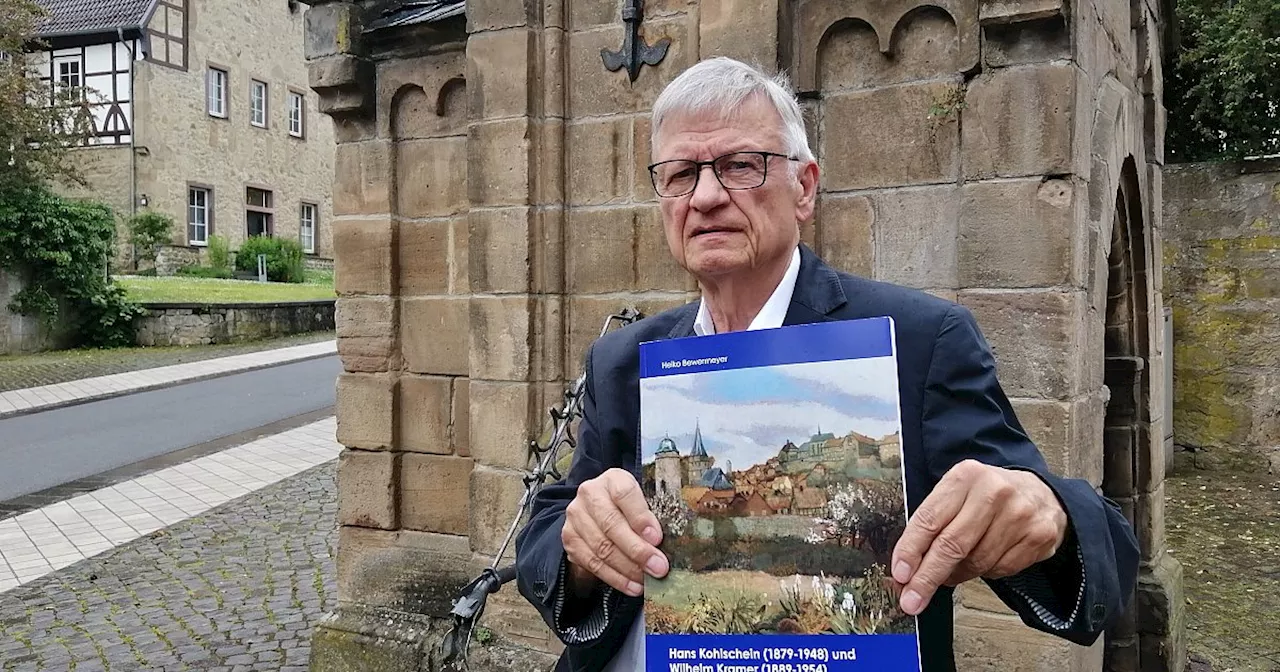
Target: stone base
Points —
{"points": [[989, 642], [357, 639], [1162, 616]]}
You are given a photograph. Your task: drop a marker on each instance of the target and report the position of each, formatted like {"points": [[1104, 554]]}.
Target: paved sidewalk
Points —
{"points": [[237, 588], [38, 542], [45, 397], [19, 372]]}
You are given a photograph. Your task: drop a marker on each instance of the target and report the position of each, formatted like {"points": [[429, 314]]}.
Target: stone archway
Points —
{"points": [[1146, 636], [1127, 377]]}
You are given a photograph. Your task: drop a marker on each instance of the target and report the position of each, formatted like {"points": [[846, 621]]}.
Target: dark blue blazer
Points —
{"points": [[953, 409]]}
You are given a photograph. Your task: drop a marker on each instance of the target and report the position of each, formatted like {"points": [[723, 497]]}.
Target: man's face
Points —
{"points": [[717, 233]]}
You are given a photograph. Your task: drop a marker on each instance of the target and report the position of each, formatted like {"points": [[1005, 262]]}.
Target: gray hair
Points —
{"points": [[722, 85]]}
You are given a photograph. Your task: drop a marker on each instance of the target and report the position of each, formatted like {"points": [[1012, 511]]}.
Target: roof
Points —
{"points": [[79, 17], [699, 450], [415, 12]]}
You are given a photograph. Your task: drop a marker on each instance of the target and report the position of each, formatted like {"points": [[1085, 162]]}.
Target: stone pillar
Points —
{"points": [[403, 401], [515, 312], [975, 150]]}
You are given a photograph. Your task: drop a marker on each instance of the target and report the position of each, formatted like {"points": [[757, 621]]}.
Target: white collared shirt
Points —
{"points": [[771, 315]]}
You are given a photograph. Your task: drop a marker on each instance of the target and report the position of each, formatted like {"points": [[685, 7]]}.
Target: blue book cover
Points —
{"points": [[773, 460]]}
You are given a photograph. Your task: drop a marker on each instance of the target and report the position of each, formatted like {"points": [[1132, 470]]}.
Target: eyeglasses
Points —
{"points": [[739, 170]]}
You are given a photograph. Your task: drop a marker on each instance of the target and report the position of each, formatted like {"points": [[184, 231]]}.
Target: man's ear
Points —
{"points": [[808, 197]]}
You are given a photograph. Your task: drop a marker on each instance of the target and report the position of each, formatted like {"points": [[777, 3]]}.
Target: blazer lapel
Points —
{"points": [[818, 291], [684, 326]]}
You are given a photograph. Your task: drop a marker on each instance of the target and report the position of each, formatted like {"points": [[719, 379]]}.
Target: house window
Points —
{"points": [[296, 112], [199, 200], [67, 71], [216, 87], [258, 212], [258, 103], [307, 228]]}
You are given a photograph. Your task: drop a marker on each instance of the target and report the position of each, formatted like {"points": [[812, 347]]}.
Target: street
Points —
{"points": [[53, 447]]}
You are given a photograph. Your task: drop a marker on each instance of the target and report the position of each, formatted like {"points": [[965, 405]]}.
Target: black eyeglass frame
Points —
{"points": [[653, 178]]}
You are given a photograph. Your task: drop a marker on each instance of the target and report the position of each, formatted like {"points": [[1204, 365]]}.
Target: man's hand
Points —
{"points": [[980, 520], [611, 535]]}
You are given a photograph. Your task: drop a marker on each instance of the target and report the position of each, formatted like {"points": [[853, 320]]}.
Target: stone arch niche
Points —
{"points": [[1127, 377], [1149, 634], [415, 113], [869, 73], [909, 36], [922, 45]]}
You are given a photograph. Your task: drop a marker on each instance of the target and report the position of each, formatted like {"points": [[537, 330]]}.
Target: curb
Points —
{"points": [[54, 405]]}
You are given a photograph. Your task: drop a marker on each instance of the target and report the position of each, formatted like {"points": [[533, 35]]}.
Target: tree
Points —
{"points": [[37, 123], [863, 514], [149, 230], [1222, 91]]}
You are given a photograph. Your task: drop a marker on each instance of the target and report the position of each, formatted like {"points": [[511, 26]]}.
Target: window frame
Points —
{"points": [[73, 59], [224, 99], [301, 98], [266, 106], [315, 225], [208, 190], [269, 211]]}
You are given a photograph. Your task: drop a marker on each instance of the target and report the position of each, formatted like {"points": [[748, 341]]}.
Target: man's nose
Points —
{"points": [[708, 193]]}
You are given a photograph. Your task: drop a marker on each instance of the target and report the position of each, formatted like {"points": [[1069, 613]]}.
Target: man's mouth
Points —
{"points": [[706, 230]]}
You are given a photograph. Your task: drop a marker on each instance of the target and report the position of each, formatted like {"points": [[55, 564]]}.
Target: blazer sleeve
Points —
{"points": [[541, 564], [966, 415]]}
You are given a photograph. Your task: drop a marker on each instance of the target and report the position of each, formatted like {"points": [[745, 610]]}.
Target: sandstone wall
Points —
{"points": [[494, 207], [107, 171], [184, 144], [1222, 256]]}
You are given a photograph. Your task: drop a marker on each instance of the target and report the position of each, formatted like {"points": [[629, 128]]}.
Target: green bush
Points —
{"points": [[284, 258], [220, 253], [206, 272], [60, 248]]}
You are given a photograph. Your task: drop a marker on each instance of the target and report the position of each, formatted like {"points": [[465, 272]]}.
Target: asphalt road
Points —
{"points": [[45, 449]]}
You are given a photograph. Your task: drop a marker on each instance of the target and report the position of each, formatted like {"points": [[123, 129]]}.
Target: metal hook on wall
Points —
{"points": [[635, 52]]}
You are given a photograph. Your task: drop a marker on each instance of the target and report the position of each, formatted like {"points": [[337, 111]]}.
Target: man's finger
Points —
{"points": [[629, 499], [949, 549], [616, 534], [579, 553], [986, 553], [588, 547], [930, 518], [1032, 547]]}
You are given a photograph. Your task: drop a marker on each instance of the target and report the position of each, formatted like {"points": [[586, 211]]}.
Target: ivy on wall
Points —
{"points": [[60, 248]]}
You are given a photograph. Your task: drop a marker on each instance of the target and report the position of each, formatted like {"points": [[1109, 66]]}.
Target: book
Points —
{"points": [[773, 461]]}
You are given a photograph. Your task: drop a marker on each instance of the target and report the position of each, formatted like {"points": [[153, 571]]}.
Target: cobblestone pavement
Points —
{"points": [[235, 589], [22, 371]]}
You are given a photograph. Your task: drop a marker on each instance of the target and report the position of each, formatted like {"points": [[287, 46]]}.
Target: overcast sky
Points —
{"points": [[748, 414]]}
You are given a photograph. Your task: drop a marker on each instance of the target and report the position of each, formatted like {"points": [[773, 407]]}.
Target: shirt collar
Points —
{"points": [[773, 312]]}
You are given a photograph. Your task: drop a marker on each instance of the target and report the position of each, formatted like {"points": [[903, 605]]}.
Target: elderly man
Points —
{"points": [[737, 180]]}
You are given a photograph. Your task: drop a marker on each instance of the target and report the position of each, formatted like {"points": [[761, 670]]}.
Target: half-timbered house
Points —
{"points": [[200, 110]]}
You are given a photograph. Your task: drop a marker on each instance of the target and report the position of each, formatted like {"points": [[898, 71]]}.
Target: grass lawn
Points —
{"points": [[209, 290]]}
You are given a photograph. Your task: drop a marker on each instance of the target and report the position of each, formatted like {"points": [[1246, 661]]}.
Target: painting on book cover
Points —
{"points": [[780, 494]]}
